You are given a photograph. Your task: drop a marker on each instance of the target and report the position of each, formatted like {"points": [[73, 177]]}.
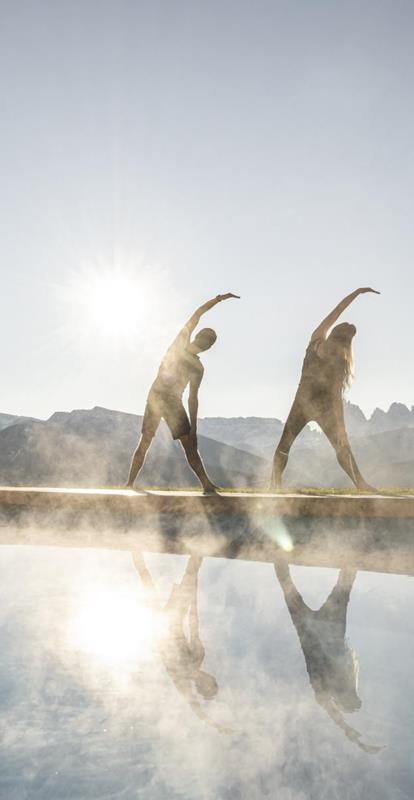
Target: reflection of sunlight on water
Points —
{"points": [[115, 627]]}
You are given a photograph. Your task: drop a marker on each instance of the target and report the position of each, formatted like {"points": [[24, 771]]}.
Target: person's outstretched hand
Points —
{"points": [[228, 295], [367, 289]]}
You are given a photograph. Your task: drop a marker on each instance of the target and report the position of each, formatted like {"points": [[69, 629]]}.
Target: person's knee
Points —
{"points": [[282, 450], [188, 440], [190, 448], [284, 446]]}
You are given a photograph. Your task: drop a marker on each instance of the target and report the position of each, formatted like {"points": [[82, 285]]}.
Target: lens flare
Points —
{"points": [[277, 532]]}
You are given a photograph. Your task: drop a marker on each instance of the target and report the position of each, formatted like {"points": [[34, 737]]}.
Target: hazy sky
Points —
{"points": [[161, 152]]}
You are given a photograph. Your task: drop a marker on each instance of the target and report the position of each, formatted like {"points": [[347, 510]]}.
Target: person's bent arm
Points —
{"points": [[184, 335], [195, 318], [322, 330]]}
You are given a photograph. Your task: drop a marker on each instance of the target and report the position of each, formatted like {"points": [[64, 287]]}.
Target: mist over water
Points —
{"points": [[182, 677]]}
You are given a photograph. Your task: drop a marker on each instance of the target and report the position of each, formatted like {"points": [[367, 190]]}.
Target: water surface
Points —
{"points": [[166, 676]]}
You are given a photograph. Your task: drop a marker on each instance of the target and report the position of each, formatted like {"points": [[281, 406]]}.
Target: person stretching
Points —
{"points": [[326, 373], [180, 366]]}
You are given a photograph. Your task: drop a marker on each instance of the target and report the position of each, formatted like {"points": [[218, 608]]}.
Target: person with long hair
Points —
{"points": [[179, 368], [327, 371], [332, 665]]}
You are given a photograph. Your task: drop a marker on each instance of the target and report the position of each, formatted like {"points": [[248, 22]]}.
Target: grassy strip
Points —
{"points": [[308, 490]]}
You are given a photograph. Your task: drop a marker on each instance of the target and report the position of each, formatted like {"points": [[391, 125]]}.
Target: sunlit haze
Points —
{"points": [[155, 154]]}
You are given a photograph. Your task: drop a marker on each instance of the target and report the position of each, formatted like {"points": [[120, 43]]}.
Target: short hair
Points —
{"points": [[205, 338]]}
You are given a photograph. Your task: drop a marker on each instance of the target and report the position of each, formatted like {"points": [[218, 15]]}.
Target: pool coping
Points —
{"points": [[190, 502]]}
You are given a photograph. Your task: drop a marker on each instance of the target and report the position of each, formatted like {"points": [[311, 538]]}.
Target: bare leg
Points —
{"points": [[294, 599], [295, 422], [139, 457], [335, 606], [334, 430], [189, 444]]}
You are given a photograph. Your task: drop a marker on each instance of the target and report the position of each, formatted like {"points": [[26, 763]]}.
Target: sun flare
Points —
{"points": [[115, 627], [115, 303]]}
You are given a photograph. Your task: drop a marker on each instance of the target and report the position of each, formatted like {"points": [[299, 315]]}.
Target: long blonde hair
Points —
{"points": [[340, 354]]}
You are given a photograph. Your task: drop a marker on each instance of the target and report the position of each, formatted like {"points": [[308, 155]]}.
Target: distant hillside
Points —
{"points": [[11, 419], [260, 434], [94, 447], [385, 459], [398, 416], [253, 434]]}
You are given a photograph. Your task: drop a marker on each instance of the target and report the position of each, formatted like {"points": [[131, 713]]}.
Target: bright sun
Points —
{"points": [[114, 302], [115, 627]]}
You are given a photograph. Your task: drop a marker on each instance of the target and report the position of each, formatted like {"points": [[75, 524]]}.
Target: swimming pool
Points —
{"points": [[165, 675]]}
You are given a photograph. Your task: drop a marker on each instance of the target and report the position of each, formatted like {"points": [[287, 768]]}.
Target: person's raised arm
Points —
{"points": [[184, 335], [195, 318], [322, 330]]}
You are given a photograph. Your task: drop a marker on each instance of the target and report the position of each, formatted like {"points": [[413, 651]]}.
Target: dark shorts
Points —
{"points": [[170, 407]]}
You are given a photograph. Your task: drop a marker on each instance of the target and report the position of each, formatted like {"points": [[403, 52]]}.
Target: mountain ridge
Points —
{"points": [[91, 447]]}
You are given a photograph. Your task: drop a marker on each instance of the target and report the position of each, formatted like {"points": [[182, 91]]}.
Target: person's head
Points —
{"points": [[206, 684], [339, 348], [343, 333], [203, 340]]}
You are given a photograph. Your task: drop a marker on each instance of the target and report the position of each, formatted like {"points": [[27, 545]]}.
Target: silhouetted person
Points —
{"points": [[183, 655], [326, 372], [331, 664], [180, 366]]}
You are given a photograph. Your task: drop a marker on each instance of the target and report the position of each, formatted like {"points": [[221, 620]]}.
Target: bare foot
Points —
{"points": [[365, 487], [210, 488]]}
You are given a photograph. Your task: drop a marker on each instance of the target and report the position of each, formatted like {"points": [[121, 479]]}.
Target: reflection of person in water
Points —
{"points": [[326, 372], [183, 656], [180, 366], [331, 664]]}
